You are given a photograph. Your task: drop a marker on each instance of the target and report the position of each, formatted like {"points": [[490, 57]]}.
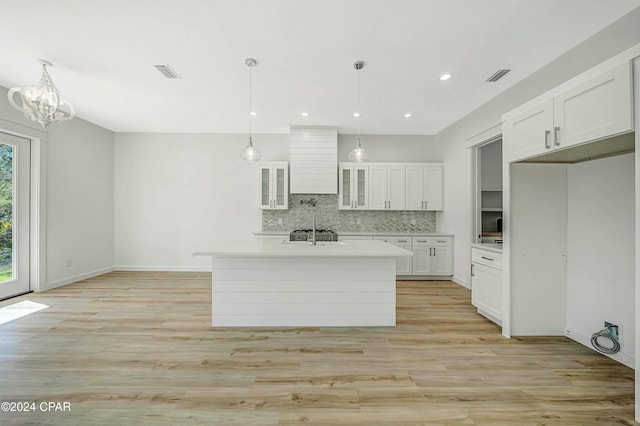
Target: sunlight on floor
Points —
{"points": [[19, 310]]}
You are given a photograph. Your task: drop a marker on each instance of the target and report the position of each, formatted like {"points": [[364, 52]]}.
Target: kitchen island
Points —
{"points": [[282, 283]]}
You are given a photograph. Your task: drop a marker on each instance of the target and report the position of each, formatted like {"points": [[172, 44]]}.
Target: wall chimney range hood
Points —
{"points": [[313, 162]]}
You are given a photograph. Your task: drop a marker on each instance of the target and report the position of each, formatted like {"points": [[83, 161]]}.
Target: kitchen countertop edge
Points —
{"points": [[496, 248], [355, 233]]}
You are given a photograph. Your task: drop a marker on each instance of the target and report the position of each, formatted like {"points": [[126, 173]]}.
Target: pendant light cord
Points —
{"points": [[359, 112], [250, 103]]}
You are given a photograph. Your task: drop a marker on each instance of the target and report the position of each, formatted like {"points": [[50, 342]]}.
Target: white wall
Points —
{"points": [[393, 147], [601, 250], [79, 199], [456, 219], [180, 193]]}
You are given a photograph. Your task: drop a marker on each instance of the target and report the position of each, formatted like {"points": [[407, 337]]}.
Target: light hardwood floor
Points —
{"points": [[138, 348]]}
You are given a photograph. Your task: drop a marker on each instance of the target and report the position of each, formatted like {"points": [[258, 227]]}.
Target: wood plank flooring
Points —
{"points": [[137, 348]]}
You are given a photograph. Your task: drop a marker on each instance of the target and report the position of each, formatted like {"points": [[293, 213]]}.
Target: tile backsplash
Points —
{"points": [[328, 216]]}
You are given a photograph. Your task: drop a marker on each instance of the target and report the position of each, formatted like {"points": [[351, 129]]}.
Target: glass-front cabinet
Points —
{"points": [[353, 185], [274, 185]]}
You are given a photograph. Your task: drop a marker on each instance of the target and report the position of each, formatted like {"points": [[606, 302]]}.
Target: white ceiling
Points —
{"points": [[104, 51]]}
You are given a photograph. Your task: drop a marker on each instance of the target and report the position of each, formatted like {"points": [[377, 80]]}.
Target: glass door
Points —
{"points": [[14, 215]]}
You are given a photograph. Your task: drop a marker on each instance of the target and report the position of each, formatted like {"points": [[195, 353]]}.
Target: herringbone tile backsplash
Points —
{"points": [[328, 216]]}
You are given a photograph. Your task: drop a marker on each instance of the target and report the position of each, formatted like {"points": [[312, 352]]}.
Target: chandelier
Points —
{"points": [[41, 102]]}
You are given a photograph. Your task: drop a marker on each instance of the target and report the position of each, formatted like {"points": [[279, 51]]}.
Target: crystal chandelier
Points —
{"points": [[41, 102], [358, 154], [249, 153]]}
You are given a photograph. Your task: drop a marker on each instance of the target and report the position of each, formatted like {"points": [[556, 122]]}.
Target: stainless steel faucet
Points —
{"points": [[313, 228]]}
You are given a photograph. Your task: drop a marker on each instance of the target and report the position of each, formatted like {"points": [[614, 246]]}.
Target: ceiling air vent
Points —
{"points": [[497, 75], [167, 71]]}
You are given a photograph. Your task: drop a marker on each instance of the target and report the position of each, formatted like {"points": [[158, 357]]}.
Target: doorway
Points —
{"points": [[15, 160]]}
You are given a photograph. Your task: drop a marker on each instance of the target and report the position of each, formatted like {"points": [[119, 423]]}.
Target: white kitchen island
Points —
{"points": [[274, 283]]}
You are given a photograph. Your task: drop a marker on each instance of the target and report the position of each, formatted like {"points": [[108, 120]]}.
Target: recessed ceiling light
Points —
{"points": [[356, 114], [408, 115], [445, 77], [304, 114], [253, 113]]}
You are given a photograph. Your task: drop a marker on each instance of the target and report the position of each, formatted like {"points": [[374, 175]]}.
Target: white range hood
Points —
{"points": [[313, 161]]}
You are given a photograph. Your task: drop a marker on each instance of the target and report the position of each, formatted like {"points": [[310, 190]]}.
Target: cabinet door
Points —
{"points": [[529, 133], [404, 265], [360, 178], [442, 261], [377, 188], [486, 289], [345, 200], [433, 188], [396, 188], [421, 260], [280, 187], [414, 187], [596, 109], [266, 202]]}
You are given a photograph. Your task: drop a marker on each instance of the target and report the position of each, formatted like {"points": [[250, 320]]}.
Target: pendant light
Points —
{"points": [[250, 153], [41, 102], [358, 155]]}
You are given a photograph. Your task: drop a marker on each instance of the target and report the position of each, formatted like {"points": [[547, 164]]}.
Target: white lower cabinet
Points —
{"points": [[486, 283], [432, 256], [404, 265]]}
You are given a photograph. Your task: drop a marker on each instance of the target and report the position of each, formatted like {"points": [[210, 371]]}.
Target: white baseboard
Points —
{"points": [[585, 339], [460, 281], [75, 278], [162, 268]]}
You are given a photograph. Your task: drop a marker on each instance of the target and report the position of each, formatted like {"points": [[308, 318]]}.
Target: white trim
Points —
{"points": [[38, 197], [75, 278], [464, 283], [38, 216], [22, 130], [585, 340], [485, 136], [162, 268]]}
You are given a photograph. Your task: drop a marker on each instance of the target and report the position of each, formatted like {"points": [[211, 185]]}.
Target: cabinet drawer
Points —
{"points": [[433, 241], [488, 258], [403, 242]]}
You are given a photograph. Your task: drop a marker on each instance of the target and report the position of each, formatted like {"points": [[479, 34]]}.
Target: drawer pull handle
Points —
{"points": [[487, 258], [440, 241], [402, 241], [422, 241]]}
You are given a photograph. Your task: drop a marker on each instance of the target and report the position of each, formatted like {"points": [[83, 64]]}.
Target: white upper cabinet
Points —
{"points": [[529, 133], [594, 109], [386, 187], [274, 185], [353, 186], [423, 188]]}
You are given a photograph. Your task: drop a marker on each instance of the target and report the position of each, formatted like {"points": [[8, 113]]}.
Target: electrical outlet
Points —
{"points": [[280, 221], [615, 330], [67, 263], [358, 221], [413, 221]]}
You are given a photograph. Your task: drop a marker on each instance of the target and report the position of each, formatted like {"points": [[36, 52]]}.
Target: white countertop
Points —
{"points": [[496, 248], [276, 248], [376, 233]]}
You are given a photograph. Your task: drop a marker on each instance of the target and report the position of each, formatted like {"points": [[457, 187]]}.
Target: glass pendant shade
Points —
{"points": [[249, 153], [359, 154], [41, 102]]}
